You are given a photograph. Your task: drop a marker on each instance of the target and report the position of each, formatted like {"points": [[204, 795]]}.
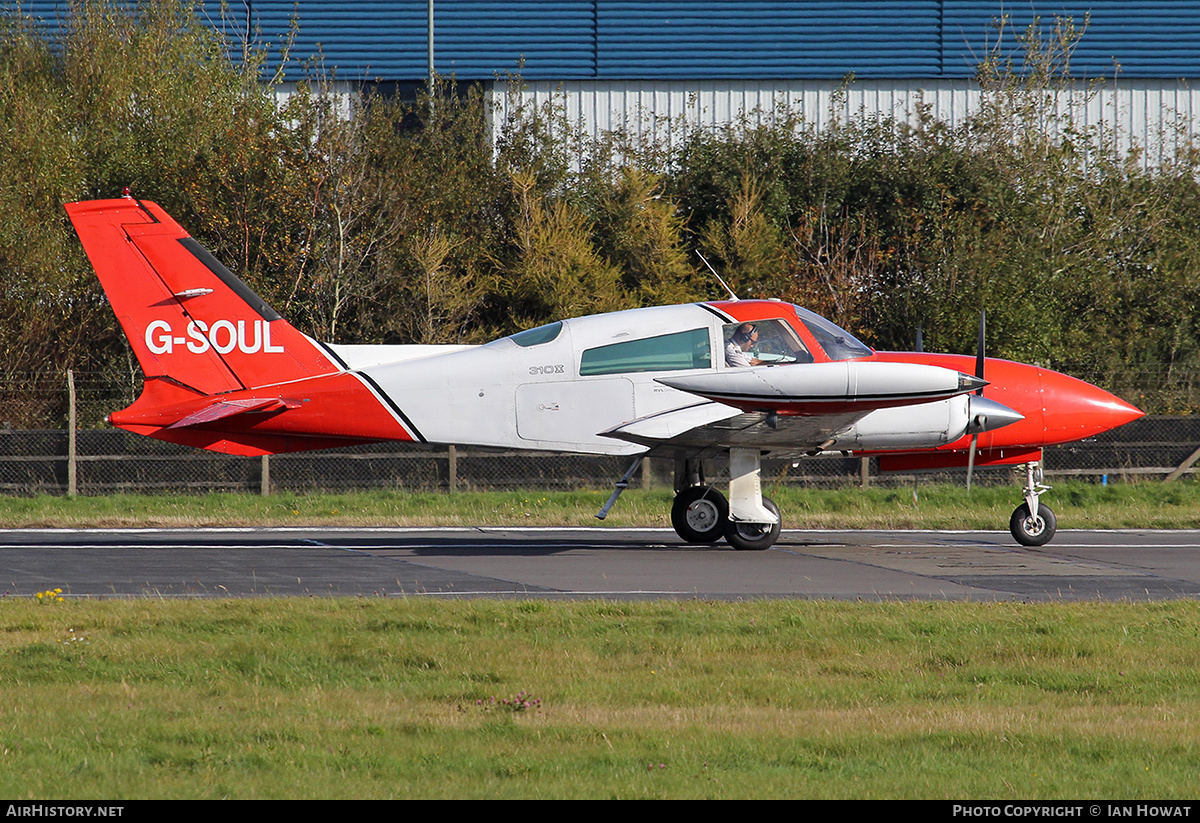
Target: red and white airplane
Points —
{"points": [[741, 378]]}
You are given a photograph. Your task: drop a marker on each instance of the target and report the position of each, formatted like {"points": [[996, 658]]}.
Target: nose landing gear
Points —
{"points": [[1033, 523]]}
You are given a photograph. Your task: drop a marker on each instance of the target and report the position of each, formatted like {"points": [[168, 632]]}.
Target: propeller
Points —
{"points": [[978, 373]]}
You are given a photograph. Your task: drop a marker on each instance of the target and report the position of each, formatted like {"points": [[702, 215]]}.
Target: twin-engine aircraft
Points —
{"points": [[743, 378]]}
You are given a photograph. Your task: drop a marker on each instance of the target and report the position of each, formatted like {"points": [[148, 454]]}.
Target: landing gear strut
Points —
{"points": [[701, 514], [1033, 523]]}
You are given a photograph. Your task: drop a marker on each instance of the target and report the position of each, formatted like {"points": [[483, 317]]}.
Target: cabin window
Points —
{"points": [[535, 337], [667, 352]]}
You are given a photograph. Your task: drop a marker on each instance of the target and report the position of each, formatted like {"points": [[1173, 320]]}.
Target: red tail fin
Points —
{"points": [[187, 317], [198, 331]]}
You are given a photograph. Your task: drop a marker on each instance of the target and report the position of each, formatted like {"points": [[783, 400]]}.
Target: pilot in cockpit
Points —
{"points": [[743, 341], [779, 344]]}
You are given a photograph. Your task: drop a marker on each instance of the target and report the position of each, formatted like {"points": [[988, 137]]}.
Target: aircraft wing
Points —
{"points": [[708, 428]]}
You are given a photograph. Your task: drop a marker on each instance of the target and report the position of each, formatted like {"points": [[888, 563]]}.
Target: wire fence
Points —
{"points": [[111, 461], [36, 460]]}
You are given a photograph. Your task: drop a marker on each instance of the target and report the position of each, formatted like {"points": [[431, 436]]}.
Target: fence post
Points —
{"points": [[452, 453], [264, 487], [865, 472], [72, 482], [1184, 466]]}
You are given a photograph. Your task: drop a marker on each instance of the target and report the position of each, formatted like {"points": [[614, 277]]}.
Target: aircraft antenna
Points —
{"points": [[714, 271]]}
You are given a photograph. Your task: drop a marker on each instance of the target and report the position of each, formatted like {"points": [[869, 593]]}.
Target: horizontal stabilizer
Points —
{"points": [[307, 414], [227, 408]]}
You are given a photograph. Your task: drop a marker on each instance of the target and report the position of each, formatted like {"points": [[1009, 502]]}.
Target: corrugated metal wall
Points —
{"points": [[701, 39], [718, 38], [387, 40], [709, 39], [1159, 39], [662, 67], [1156, 117]]}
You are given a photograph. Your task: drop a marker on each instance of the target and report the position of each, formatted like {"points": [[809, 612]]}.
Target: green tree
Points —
{"points": [[553, 270], [640, 232]]}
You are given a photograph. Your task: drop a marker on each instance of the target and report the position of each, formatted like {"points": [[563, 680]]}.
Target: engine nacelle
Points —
{"points": [[929, 424]]}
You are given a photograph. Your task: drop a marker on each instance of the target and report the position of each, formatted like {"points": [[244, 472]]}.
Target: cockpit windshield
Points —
{"points": [[838, 343]]}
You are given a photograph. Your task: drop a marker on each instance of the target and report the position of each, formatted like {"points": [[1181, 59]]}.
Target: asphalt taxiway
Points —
{"points": [[596, 562]]}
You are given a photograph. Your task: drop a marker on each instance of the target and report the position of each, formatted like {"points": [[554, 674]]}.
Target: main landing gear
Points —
{"points": [[701, 514], [1033, 523], [750, 522]]}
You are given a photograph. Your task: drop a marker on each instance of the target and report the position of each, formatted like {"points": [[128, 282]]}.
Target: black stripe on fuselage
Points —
{"points": [[725, 318], [386, 398], [332, 355]]}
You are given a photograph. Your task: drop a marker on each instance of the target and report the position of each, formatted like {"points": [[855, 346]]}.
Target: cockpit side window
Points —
{"points": [[766, 342], [667, 352]]}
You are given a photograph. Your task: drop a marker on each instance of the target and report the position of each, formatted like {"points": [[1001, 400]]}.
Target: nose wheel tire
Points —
{"points": [[752, 537], [1033, 531], [699, 514]]}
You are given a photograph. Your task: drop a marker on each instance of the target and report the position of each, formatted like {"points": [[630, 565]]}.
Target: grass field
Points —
{"points": [[1078, 505], [417, 698], [351, 697]]}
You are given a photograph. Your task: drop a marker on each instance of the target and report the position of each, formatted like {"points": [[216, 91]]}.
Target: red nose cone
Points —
{"points": [[1075, 409]]}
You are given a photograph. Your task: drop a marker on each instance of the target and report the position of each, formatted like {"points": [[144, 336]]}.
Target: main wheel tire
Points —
{"points": [[1033, 531], [699, 514], [754, 537]]}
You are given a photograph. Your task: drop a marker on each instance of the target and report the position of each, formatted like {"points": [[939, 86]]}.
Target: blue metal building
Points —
{"points": [[707, 39], [659, 68]]}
